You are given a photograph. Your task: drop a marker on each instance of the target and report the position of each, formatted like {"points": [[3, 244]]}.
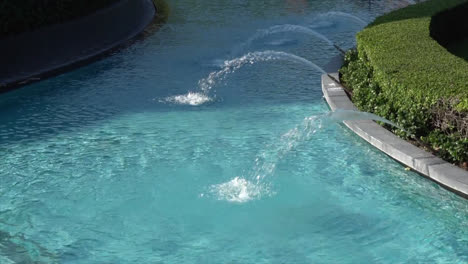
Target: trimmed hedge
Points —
{"points": [[26, 15], [399, 72]]}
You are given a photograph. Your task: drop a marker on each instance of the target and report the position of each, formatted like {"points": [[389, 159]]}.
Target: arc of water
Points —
{"points": [[287, 28], [266, 162], [244, 189], [231, 66], [240, 189], [343, 14], [340, 115]]}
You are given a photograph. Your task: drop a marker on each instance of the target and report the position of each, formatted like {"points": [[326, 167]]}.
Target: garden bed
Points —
{"points": [[403, 74]]}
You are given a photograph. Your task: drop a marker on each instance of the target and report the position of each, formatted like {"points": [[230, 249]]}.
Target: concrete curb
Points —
{"points": [[46, 52], [440, 171]]}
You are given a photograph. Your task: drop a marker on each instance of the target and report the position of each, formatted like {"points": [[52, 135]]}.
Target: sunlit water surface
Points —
{"points": [[144, 157]]}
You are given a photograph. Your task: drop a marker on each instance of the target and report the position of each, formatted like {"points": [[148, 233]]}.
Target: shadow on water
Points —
{"points": [[16, 249], [420, 9], [72, 101]]}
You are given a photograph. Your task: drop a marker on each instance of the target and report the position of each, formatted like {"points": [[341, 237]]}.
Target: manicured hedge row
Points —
{"points": [[401, 73], [26, 15]]}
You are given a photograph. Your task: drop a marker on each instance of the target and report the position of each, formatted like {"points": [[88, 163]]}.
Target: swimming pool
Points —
{"points": [[205, 143]]}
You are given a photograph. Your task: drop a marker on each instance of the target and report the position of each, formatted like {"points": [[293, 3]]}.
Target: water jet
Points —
{"points": [[262, 33]]}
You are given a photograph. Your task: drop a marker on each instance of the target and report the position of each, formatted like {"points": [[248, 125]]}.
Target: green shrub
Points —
{"points": [[399, 72], [449, 147]]}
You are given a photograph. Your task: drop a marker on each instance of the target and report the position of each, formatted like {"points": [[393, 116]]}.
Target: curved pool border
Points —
{"points": [[423, 162], [55, 49]]}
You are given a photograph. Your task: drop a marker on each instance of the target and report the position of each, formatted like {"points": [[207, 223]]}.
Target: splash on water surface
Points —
{"points": [[239, 190], [189, 98]]}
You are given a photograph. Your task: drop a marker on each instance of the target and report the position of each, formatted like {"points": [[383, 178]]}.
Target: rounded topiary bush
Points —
{"points": [[401, 73]]}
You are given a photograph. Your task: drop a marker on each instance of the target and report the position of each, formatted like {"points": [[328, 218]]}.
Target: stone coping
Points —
{"points": [[438, 170], [54, 49]]}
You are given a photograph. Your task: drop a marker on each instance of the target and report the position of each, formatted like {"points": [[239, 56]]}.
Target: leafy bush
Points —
{"points": [[448, 119], [449, 147], [399, 72]]}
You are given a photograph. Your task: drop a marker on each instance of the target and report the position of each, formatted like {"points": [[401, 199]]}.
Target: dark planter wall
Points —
{"points": [[27, 15], [54, 47]]}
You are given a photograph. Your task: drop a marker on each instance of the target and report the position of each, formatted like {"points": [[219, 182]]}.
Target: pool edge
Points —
{"points": [[447, 175]]}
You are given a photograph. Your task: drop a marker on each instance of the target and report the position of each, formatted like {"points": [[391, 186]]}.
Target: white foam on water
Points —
{"points": [[238, 190], [189, 98]]}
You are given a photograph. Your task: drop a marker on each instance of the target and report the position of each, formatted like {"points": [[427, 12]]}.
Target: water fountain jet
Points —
{"points": [[344, 14], [253, 185], [288, 28], [206, 84]]}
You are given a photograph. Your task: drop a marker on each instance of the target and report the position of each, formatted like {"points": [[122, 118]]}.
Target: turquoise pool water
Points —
{"points": [[145, 157]]}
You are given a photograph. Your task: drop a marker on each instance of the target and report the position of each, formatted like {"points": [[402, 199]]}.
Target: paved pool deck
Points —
{"points": [[423, 162]]}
